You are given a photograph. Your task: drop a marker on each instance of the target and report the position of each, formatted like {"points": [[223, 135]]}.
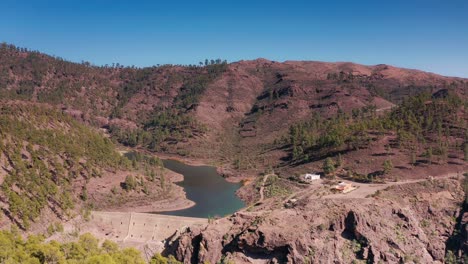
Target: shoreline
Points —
{"points": [[186, 160], [166, 205], [227, 174], [175, 199]]}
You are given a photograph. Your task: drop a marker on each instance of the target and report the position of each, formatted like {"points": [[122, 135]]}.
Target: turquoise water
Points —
{"points": [[213, 195]]}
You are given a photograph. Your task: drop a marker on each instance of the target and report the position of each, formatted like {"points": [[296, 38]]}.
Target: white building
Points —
{"points": [[311, 177]]}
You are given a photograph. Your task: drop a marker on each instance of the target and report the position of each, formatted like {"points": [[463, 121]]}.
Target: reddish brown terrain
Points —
{"points": [[406, 223], [367, 124], [233, 113], [236, 110]]}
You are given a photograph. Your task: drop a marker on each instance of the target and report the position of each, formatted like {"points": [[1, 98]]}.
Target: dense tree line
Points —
{"points": [[377, 85], [196, 84], [169, 124], [321, 135], [31, 75], [45, 151], [423, 125], [87, 249], [165, 126]]}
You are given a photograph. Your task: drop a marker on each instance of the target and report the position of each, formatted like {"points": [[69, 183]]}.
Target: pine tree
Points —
{"points": [[163, 181], [130, 183], [328, 166], [413, 158], [443, 154], [152, 175], [296, 153], [387, 148], [339, 161], [387, 166], [429, 155], [465, 151], [84, 194]]}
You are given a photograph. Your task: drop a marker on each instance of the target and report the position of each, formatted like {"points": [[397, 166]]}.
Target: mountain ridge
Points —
{"points": [[222, 107], [383, 128]]}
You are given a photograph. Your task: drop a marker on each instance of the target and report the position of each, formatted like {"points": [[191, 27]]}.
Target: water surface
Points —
{"points": [[213, 195]]}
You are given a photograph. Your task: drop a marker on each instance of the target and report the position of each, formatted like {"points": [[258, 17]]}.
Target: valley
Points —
{"points": [[206, 163]]}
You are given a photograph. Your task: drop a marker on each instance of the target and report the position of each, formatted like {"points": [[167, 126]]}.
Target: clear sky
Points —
{"points": [[430, 35]]}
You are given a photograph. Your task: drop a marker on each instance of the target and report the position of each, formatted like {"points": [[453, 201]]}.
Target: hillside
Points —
{"points": [[178, 108], [408, 223], [243, 114], [52, 168], [77, 137]]}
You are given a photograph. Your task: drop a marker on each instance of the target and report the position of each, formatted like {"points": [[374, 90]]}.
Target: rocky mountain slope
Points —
{"points": [[368, 124], [407, 223], [228, 112]]}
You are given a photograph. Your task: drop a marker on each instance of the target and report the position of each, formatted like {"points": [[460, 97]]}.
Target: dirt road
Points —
{"points": [[265, 178], [365, 189]]}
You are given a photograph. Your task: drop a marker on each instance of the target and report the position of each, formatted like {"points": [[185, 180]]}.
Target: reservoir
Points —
{"points": [[213, 195]]}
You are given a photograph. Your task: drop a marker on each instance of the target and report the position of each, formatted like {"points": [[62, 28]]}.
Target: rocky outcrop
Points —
{"points": [[457, 243], [396, 226]]}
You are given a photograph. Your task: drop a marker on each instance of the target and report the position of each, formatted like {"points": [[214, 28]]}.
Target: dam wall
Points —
{"points": [[141, 227]]}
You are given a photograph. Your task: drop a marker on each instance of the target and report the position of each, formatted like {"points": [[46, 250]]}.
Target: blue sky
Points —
{"points": [[430, 35]]}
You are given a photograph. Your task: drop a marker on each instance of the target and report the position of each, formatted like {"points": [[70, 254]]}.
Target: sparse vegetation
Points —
{"points": [[159, 259], [328, 166], [465, 151], [387, 166], [54, 228], [49, 158], [130, 183], [418, 121], [167, 126], [275, 187]]}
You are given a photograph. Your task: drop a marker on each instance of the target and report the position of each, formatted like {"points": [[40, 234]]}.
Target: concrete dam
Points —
{"points": [[141, 227]]}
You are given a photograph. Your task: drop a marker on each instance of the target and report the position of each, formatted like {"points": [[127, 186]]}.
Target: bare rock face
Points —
{"points": [[393, 227]]}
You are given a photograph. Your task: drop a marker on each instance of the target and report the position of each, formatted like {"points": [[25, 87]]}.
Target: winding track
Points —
{"points": [[364, 190], [265, 178]]}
